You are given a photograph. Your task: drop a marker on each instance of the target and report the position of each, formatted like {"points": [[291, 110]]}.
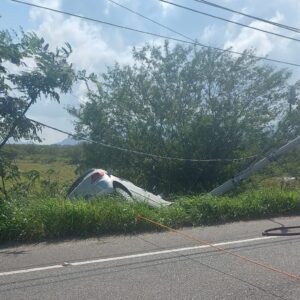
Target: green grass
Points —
{"points": [[37, 210], [36, 219], [51, 161], [61, 170]]}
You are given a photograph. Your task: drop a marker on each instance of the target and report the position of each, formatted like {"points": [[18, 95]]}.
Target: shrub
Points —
{"points": [[51, 218]]}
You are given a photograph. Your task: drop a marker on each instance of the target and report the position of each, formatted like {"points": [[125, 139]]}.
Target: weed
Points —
{"points": [[50, 218]]}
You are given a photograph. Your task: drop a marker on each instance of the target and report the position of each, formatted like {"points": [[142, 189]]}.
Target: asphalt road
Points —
{"points": [[156, 266]]}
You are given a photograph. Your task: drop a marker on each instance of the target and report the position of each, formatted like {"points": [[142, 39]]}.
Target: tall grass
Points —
{"points": [[50, 218]]}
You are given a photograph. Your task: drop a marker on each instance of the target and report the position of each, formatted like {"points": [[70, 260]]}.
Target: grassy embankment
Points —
{"points": [[39, 211], [40, 219]]}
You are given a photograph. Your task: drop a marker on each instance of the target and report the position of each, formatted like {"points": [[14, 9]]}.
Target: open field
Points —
{"points": [[61, 170], [50, 160]]}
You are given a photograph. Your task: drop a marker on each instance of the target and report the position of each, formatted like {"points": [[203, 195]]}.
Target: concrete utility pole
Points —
{"points": [[292, 96], [231, 183]]}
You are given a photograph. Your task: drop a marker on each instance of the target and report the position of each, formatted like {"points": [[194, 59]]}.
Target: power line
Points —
{"points": [[287, 27], [229, 21], [218, 248], [157, 35], [151, 20], [198, 261], [141, 153]]}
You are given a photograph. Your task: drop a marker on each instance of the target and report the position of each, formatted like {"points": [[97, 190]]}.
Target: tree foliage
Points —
{"points": [[289, 125], [181, 102], [29, 71]]}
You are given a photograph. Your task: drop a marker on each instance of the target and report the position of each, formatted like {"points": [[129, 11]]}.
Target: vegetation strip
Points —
{"points": [[37, 219]]}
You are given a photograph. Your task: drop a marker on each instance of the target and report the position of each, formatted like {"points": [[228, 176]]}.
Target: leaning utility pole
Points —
{"points": [[231, 183], [292, 97]]}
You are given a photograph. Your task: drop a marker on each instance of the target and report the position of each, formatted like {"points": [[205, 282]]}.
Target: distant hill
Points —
{"points": [[11, 141], [68, 142]]}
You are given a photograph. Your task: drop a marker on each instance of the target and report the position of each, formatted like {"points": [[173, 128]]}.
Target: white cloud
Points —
{"points": [[208, 34], [109, 6], [91, 51], [248, 38], [53, 114], [165, 8], [95, 46], [36, 13]]}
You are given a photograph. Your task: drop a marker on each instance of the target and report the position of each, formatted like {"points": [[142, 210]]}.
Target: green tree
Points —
{"points": [[289, 125], [49, 75], [181, 102], [29, 71]]}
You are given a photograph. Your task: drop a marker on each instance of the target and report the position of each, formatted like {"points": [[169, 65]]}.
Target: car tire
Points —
{"points": [[120, 189]]}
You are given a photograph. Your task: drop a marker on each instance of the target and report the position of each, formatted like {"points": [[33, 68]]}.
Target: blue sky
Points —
{"points": [[97, 46]]}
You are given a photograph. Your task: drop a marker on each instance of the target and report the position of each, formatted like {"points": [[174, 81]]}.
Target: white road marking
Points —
{"points": [[31, 270], [117, 258]]}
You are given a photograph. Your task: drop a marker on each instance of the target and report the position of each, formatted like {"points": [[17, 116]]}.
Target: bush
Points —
{"points": [[51, 218]]}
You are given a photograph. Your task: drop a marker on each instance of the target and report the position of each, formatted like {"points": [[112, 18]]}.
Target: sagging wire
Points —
{"points": [[141, 153], [204, 242], [188, 256]]}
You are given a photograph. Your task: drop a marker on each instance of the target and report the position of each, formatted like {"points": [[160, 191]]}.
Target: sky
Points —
{"points": [[97, 46]]}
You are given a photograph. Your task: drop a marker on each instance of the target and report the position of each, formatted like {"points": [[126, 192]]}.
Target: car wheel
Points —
{"points": [[120, 189]]}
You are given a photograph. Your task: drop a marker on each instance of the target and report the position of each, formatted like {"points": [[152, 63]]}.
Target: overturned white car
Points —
{"points": [[97, 181]]}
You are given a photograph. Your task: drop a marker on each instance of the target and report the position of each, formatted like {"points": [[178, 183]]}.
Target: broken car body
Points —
{"points": [[97, 181]]}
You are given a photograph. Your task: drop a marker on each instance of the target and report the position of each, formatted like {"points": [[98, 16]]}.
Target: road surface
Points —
{"points": [[156, 266]]}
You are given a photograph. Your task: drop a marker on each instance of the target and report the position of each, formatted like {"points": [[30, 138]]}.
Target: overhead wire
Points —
{"points": [[209, 266], [229, 21], [165, 157], [195, 43], [137, 152], [280, 25], [204, 242], [151, 20]]}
